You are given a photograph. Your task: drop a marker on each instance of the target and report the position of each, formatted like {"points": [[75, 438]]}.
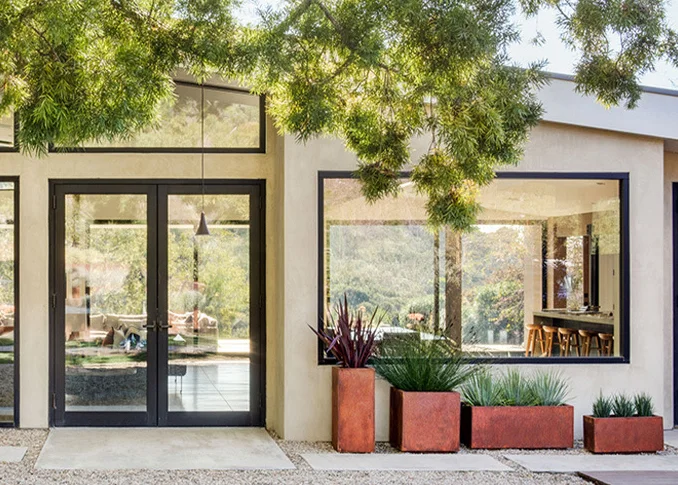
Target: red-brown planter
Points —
{"points": [[527, 427], [353, 410], [636, 434], [424, 421]]}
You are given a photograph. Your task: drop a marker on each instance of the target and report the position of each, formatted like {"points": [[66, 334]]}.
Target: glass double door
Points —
{"points": [[152, 324]]}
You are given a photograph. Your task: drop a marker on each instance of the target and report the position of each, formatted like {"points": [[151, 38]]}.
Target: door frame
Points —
{"points": [[157, 249], [674, 296]]}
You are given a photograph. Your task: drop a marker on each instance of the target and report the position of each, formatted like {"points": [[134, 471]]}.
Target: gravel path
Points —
{"points": [[25, 473]]}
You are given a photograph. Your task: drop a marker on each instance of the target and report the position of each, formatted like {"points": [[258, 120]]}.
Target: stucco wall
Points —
{"points": [[35, 174], [552, 148]]}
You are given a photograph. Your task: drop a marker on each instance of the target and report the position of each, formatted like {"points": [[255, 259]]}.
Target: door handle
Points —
{"points": [[150, 326], [164, 326]]}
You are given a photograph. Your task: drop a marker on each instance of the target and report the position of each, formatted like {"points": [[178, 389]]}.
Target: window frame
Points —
{"points": [[624, 263], [17, 318], [258, 149], [15, 146]]}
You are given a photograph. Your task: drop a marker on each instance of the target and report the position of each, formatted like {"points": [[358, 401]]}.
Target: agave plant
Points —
{"points": [[602, 406], [482, 390], [643, 404], [349, 338]]}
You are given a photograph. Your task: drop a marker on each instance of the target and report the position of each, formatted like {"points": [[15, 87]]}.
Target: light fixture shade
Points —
{"points": [[202, 227]]}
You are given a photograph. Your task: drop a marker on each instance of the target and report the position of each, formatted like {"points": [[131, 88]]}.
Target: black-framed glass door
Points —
{"points": [[153, 325]]}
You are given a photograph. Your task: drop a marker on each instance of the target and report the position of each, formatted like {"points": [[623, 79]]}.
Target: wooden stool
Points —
{"points": [[587, 339], [535, 333], [606, 344], [568, 338], [550, 333]]}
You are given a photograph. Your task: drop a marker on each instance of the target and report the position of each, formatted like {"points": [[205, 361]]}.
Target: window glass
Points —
{"points": [[6, 131], [538, 275], [7, 299], [232, 120]]}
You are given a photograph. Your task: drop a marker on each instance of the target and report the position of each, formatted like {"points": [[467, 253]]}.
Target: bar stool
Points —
{"points": [[587, 340], [568, 338], [550, 333], [535, 333], [606, 343]]}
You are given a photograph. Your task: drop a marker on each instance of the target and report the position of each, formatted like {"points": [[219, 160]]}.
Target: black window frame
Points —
{"points": [[624, 266], [15, 146], [259, 149], [17, 319]]}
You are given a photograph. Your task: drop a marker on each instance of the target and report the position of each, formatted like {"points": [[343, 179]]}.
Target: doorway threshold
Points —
{"points": [[161, 449]]}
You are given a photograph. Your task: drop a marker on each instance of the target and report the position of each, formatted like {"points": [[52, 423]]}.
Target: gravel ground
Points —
{"points": [[25, 473]]}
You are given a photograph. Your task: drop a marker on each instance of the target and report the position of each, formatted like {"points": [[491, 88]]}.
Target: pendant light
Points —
{"points": [[202, 226]]}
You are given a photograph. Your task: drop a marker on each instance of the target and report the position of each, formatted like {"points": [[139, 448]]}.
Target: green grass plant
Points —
{"points": [[549, 388], [643, 404], [602, 407], [515, 389], [623, 406], [482, 390], [423, 365]]}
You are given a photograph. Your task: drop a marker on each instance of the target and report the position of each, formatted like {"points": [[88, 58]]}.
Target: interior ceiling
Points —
{"points": [[504, 199]]}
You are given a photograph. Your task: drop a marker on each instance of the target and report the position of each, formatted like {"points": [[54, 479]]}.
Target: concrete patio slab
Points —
{"points": [[10, 454], [671, 437], [589, 463], [631, 478], [161, 449], [403, 461]]}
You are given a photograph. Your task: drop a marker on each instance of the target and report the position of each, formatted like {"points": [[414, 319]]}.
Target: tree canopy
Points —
{"points": [[374, 73]]}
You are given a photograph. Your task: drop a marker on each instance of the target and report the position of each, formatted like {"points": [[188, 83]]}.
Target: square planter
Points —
{"points": [[636, 434], [527, 427], [353, 410], [424, 421]]}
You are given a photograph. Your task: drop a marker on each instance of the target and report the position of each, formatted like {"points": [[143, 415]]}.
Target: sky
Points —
{"points": [[560, 59]]}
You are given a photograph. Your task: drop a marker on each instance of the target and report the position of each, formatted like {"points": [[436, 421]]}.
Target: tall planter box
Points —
{"points": [[527, 427], [636, 434], [353, 410], [424, 421]]}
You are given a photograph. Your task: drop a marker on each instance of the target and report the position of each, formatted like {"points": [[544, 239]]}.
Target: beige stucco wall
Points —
{"points": [[35, 174], [552, 148]]}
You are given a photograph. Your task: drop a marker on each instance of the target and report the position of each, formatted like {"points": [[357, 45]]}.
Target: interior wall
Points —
{"points": [[552, 148], [35, 174]]}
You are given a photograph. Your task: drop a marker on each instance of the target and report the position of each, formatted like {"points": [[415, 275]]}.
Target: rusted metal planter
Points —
{"points": [[353, 410], [526, 427], [424, 421], [636, 434]]}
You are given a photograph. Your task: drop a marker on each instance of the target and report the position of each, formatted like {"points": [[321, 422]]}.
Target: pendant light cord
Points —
{"points": [[202, 142]]}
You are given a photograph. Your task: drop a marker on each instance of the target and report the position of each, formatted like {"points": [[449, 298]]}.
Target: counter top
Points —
{"points": [[576, 317]]}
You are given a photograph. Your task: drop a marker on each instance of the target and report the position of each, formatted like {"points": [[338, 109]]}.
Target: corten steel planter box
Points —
{"points": [[636, 434], [526, 427], [424, 421], [353, 410]]}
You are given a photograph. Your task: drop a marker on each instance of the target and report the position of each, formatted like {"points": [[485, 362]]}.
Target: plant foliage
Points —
{"points": [[643, 404], [623, 406], [372, 72], [350, 338], [516, 389], [435, 365], [549, 388], [602, 407], [481, 390]]}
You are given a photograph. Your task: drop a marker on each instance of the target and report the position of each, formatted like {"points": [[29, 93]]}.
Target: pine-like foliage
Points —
{"points": [[374, 73]]}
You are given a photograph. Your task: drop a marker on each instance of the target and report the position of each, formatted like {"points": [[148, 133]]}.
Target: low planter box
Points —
{"points": [[636, 434], [527, 427], [353, 410], [424, 421]]}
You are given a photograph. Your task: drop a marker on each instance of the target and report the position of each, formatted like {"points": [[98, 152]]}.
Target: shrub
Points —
{"points": [[350, 338], [602, 407], [549, 388], [481, 390], [643, 404], [515, 390], [623, 406], [423, 365]]}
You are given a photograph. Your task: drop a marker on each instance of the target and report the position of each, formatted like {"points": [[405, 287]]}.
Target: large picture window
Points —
{"points": [[234, 122], [540, 276]]}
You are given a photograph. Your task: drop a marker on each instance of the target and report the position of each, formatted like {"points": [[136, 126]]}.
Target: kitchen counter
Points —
{"points": [[594, 322]]}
